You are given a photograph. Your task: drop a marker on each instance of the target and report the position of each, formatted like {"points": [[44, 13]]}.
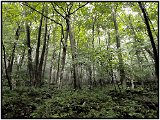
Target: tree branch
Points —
{"points": [[46, 17], [60, 7], [70, 8], [149, 52], [57, 11], [151, 24], [41, 13], [78, 8]]}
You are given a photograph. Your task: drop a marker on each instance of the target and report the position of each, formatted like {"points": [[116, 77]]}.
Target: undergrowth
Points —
{"points": [[26, 102]]}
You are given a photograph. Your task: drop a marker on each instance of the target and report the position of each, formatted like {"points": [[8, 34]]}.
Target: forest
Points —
{"points": [[79, 60]]}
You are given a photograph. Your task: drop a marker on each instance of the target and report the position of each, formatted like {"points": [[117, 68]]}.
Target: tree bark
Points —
{"points": [[37, 49], [90, 76], [121, 66], [42, 55], [30, 66], [50, 70], [58, 80], [5, 65], [74, 56], [10, 65], [110, 71], [156, 59], [63, 59], [22, 59], [46, 56], [92, 71]]}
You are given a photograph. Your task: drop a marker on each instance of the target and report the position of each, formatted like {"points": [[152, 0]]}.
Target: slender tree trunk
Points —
{"points": [[93, 67], [10, 65], [46, 56], [98, 32], [156, 59], [30, 66], [121, 66], [51, 67], [5, 65], [11, 61], [110, 58], [36, 73], [74, 56], [42, 55], [58, 80], [63, 59], [21, 60], [150, 23], [90, 76], [137, 50]]}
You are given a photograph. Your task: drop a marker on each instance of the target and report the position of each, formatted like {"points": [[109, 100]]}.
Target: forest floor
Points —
{"points": [[100, 102]]}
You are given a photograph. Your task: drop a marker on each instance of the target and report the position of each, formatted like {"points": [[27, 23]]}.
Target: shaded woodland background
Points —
{"points": [[80, 59]]}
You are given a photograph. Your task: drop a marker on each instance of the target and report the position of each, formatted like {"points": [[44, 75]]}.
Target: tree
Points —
{"points": [[43, 50], [37, 64], [7, 76], [83, 43], [151, 39], [121, 66]]}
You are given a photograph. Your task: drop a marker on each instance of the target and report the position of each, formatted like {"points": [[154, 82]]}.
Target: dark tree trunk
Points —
{"points": [[90, 76], [5, 65], [92, 72], [37, 49], [10, 65], [151, 39], [30, 67], [46, 56], [42, 54]]}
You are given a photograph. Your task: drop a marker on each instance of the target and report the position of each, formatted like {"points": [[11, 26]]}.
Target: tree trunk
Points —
{"points": [[10, 65], [37, 49], [42, 55], [74, 56], [46, 56], [110, 71], [5, 65], [30, 67], [137, 50], [132, 83], [92, 72], [58, 80], [50, 70], [11, 60], [22, 59], [90, 76], [151, 39], [121, 66], [63, 59]]}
